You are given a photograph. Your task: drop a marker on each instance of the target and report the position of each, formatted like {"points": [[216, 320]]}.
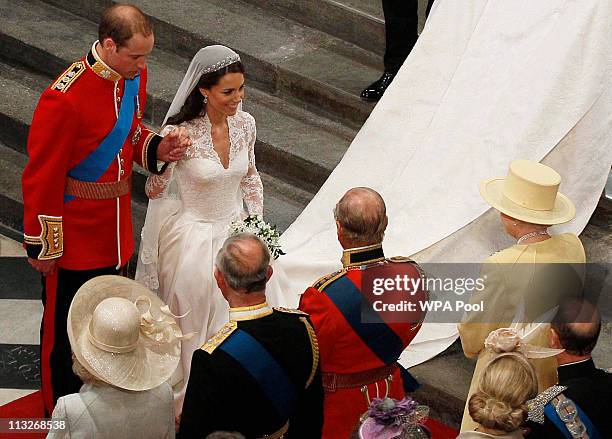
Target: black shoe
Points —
{"points": [[374, 91]]}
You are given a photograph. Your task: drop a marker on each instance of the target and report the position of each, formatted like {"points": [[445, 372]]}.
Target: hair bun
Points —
{"points": [[493, 413]]}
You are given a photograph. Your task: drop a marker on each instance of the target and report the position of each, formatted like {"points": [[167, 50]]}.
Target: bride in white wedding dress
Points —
{"points": [[195, 200]]}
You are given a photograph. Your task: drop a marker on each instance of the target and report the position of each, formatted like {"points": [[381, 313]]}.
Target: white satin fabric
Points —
{"points": [[183, 234], [488, 82]]}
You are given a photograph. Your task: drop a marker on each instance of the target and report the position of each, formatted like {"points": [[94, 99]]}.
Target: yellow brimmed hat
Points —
{"points": [[529, 193]]}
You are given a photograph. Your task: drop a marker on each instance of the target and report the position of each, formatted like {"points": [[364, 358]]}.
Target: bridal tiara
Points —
{"points": [[230, 59]]}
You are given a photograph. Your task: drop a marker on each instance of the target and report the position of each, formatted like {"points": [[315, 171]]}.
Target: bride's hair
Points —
{"points": [[194, 104], [507, 382]]}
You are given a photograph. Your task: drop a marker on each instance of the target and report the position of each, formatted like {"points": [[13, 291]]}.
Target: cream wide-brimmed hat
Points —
{"points": [[529, 193], [123, 333]]}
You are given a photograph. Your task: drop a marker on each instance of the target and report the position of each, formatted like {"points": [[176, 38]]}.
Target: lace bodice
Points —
{"points": [[204, 186]]}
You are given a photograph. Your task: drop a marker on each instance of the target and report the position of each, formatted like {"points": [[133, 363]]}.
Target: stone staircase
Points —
{"points": [[306, 63], [306, 111]]}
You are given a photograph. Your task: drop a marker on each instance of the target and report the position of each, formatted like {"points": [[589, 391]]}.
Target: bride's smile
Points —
{"points": [[224, 98]]}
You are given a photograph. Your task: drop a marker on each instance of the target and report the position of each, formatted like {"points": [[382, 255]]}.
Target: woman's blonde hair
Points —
{"points": [[507, 383], [86, 376]]}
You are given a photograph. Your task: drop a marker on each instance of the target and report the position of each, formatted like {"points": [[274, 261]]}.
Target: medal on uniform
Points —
{"points": [[138, 112]]}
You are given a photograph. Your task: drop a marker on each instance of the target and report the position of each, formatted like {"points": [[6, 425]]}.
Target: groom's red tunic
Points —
{"points": [[354, 351], [72, 118], [91, 234]]}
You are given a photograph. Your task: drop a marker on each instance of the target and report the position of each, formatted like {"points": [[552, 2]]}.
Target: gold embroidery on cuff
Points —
{"points": [[51, 237], [145, 150], [34, 240]]}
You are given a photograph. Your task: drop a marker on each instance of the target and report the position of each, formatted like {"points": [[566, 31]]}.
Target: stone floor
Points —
{"points": [[20, 314]]}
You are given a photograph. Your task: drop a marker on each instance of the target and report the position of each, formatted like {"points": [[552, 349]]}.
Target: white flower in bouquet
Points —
{"points": [[263, 230]]}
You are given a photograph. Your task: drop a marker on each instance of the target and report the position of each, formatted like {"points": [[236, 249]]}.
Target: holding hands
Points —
{"points": [[173, 146]]}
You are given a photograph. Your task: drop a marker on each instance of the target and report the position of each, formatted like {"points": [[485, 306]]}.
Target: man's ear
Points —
{"points": [[219, 278], [108, 44], [269, 273], [553, 339], [339, 229]]}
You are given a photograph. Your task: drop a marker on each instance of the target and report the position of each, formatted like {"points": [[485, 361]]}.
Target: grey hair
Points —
{"points": [[237, 265], [363, 215]]}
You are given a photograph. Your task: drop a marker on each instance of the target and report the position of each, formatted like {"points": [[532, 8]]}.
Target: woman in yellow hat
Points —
{"points": [[518, 285]]}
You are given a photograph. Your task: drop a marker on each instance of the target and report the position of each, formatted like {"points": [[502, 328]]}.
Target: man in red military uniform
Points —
{"points": [[85, 135], [359, 347]]}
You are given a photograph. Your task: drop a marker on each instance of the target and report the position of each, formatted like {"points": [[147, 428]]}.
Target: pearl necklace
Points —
{"points": [[531, 235]]}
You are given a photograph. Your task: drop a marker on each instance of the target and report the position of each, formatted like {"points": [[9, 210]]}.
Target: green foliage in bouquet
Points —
{"points": [[258, 227]]}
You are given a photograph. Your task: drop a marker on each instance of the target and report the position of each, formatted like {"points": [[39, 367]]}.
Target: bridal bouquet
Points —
{"points": [[258, 227]]}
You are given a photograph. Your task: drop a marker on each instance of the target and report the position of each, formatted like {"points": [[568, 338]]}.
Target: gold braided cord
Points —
{"points": [[315, 350]]}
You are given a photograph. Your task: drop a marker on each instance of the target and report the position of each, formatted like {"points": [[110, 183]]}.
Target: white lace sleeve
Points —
{"points": [[251, 186], [157, 184]]}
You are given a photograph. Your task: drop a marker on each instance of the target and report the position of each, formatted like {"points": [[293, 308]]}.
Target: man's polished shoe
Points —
{"points": [[374, 91]]}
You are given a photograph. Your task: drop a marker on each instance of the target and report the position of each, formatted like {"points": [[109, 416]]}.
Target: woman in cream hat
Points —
{"points": [[517, 281], [125, 345]]}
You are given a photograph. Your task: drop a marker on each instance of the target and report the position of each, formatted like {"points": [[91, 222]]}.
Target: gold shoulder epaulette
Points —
{"points": [[324, 281], [70, 75], [290, 311], [221, 335], [399, 259]]}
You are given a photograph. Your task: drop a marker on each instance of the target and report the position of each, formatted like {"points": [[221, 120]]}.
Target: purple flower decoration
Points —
{"points": [[390, 412]]}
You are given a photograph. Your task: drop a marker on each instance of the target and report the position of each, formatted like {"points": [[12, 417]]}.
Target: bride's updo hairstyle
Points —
{"points": [[507, 383], [194, 104]]}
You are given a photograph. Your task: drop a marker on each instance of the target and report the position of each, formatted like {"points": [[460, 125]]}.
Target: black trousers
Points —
{"points": [[401, 30], [56, 356]]}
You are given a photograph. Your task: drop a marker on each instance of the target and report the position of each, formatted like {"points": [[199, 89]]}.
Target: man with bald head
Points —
{"points": [[359, 342], [581, 400], [86, 133], [259, 375]]}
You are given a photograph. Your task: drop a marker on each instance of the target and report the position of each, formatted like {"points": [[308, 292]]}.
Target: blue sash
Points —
{"points": [[378, 336], [553, 416], [385, 343], [256, 360], [97, 162]]}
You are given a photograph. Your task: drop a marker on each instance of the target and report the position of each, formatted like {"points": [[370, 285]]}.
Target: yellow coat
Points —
{"points": [[506, 285]]}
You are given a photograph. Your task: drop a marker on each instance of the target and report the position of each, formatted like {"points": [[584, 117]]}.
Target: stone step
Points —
{"points": [[299, 63], [294, 144], [360, 22]]}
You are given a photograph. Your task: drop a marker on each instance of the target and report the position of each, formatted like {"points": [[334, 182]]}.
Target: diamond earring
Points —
{"points": [[205, 99]]}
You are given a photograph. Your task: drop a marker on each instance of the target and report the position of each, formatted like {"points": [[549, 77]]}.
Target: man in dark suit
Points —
{"points": [[401, 34], [259, 375], [581, 402]]}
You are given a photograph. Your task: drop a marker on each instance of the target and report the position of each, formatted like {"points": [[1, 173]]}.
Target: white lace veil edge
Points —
{"points": [[208, 59]]}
